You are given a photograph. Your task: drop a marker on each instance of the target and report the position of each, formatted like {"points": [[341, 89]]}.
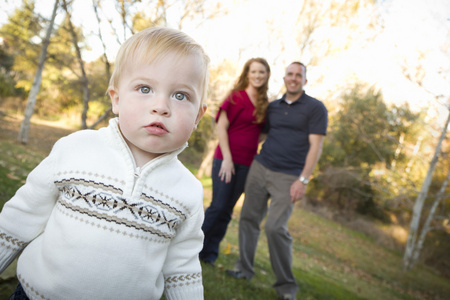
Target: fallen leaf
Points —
{"points": [[227, 249]]}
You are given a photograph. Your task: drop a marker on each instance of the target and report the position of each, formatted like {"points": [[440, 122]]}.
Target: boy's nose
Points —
{"points": [[160, 106]]}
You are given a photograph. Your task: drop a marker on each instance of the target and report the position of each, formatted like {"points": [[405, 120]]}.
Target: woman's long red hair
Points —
{"points": [[262, 100]]}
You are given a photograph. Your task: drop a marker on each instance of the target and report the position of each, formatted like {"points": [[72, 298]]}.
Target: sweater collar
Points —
{"points": [[119, 142]]}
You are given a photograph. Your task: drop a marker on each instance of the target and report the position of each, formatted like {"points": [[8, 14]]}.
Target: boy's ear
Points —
{"points": [[114, 95], [201, 112]]}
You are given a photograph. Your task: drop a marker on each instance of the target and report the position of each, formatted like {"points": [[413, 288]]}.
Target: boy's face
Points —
{"points": [[159, 104]]}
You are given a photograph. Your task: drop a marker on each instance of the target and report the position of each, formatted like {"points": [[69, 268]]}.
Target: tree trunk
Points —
{"points": [[84, 79], [415, 151], [101, 118], [25, 126], [206, 165], [398, 150], [417, 210], [426, 227], [107, 112], [105, 57]]}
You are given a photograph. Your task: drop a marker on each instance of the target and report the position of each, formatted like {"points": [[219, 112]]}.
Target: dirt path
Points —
{"points": [[42, 136]]}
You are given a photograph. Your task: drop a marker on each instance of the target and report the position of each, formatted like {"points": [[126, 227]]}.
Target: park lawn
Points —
{"points": [[330, 260]]}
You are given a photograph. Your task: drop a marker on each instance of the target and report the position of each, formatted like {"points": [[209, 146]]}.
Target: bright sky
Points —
{"points": [[411, 27]]}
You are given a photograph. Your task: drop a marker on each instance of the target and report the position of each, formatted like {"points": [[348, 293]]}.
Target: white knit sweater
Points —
{"points": [[93, 226]]}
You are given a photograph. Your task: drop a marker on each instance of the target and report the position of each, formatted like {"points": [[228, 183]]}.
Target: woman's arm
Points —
{"points": [[227, 168]]}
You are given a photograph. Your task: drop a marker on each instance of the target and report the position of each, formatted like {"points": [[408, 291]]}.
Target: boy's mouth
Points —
{"points": [[156, 128]]}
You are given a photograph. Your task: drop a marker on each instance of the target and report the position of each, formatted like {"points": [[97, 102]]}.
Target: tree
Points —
{"points": [[83, 77], [431, 215], [159, 12], [192, 9], [413, 246], [61, 89], [25, 126], [21, 54], [7, 75], [420, 73], [366, 139], [325, 28], [108, 111], [363, 125]]}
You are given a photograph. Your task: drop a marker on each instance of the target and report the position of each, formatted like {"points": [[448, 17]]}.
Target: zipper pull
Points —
{"points": [[137, 172]]}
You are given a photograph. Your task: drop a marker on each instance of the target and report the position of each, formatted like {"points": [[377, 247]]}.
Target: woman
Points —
{"points": [[239, 122]]}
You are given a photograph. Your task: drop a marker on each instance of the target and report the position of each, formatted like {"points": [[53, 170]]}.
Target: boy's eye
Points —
{"points": [[180, 96], [144, 89]]}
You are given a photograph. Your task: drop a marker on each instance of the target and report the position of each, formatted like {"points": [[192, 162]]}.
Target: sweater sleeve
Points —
{"points": [[182, 270], [25, 215]]}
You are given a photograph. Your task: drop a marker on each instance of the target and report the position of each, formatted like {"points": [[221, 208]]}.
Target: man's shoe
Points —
{"points": [[286, 297], [236, 274]]}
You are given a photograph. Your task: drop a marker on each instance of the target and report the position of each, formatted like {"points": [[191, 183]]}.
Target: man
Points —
{"points": [[296, 127]]}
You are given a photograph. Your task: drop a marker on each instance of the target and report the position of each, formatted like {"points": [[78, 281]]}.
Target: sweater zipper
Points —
{"points": [[137, 173]]}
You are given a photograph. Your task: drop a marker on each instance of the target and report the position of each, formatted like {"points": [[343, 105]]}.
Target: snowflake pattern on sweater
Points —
{"points": [[106, 203]]}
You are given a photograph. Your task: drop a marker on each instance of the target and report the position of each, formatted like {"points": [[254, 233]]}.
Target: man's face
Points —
{"points": [[295, 79]]}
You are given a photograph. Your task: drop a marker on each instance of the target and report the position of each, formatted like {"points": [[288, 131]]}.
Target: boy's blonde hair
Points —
{"points": [[153, 44]]}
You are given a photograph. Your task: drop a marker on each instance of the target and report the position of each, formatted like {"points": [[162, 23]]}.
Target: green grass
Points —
{"points": [[330, 260], [16, 161]]}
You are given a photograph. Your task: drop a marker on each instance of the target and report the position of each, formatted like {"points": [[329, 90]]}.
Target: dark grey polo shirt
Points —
{"points": [[287, 128]]}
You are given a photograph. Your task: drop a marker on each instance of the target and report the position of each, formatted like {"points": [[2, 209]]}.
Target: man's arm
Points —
{"points": [[298, 189]]}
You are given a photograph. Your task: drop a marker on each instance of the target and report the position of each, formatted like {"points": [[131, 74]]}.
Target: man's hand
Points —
{"points": [[298, 190]]}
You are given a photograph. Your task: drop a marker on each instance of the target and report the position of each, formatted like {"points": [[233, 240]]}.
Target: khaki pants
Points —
{"points": [[263, 184]]}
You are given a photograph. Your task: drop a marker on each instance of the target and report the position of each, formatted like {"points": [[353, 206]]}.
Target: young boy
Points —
{"points": [[112, 213]]}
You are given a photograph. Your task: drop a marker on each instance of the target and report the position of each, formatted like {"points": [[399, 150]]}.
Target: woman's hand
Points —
{"points": [[226, 170]]}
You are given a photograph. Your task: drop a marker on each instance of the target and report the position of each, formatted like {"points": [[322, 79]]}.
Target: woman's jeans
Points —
{"points": [[218, 214]]}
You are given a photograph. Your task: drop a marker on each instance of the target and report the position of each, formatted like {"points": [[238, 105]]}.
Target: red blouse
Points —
{"points": [[243, 132]]}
